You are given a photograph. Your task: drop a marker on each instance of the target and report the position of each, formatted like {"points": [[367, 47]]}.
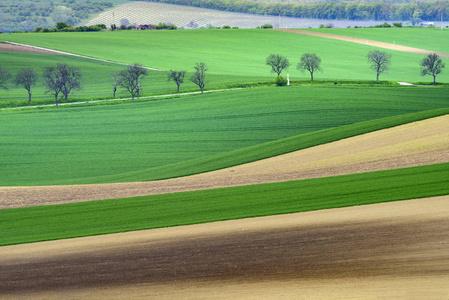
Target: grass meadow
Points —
{"points": [[32, 224], [95, 79], [125, 142], [231, 52]]}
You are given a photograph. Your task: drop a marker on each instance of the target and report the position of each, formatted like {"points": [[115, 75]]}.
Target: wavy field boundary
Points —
{"points": [[391, 250], [415, 144]]}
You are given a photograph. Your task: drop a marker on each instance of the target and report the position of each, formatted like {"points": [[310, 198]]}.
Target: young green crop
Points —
{"points": [[228, 52], [32, 224], [125, 142], [95, 79]]}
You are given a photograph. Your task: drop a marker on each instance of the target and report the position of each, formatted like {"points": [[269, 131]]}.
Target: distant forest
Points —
{"points": [[414, 12], [29, 14]]}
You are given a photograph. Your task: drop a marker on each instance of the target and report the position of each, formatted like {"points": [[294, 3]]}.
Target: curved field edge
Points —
{"points": [[270, 149], [41, 223]]}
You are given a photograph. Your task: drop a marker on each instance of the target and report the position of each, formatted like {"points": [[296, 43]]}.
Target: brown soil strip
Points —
{"points": [[421, 143], [392, 250], [17, 48], [365, 42]]}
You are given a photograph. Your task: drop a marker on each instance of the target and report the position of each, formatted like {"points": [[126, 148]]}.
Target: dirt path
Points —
{"points": [[392, 250], [420, 143], [365, 42]]}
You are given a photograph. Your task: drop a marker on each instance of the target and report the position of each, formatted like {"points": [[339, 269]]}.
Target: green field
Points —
{"points": [[32, 224], [230, 52], [182, 135], [95, 79], [124, 142]]}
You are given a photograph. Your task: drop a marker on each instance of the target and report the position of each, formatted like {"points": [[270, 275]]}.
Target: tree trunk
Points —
{"points": [[178, 88], [29, 96], [56, 99], [201, 90], [311, 76], [434, 79], [377, 78], [115, 89]]}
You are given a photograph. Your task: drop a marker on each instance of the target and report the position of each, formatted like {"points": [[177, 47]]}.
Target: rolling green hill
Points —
{"points": [[231, 52], [95, 79], [177, 136], [32, 224], [129, 142]]}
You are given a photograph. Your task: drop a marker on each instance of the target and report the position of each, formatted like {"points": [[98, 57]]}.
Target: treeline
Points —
{"points": [[64, 27], [414, 12], [26, 15]]}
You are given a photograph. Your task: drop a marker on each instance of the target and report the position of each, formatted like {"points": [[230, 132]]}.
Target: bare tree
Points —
{"points": [[278, 63], [115, 80], [310, 62], [71, 79], [4, 77], [52, 82], [131, 79], [432, 65], [379, 61], [62, 79], [199, 77], [26, 77], [176, 76]]}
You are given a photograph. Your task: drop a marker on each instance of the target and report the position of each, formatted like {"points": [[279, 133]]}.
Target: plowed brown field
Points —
{"points": [[384, 251], [17, 48]]}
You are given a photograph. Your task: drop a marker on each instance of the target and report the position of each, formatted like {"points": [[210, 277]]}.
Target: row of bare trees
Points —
{"points": [[61, 79], [198, 77], [131, 78], [379, 62]]}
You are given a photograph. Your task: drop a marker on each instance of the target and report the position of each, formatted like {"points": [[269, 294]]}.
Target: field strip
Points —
{"points": [[121, 99], [8, 47], [414, 144], [365, 42], [72, 54], [395, 250]]}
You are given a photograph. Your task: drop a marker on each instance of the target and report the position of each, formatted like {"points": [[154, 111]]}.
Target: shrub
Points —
{"points": [[384, 25], [266, 26], [280, 81]]}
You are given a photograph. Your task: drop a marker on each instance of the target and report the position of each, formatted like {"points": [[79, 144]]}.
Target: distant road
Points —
{"points": [[365, 42]]}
